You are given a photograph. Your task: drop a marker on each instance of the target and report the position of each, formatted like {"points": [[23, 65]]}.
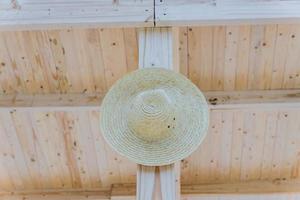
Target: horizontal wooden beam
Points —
{"points": [[268, 99], [267, 189], [58, 194], [218, 12], [47, 14], [54, 102], [262, 99]]}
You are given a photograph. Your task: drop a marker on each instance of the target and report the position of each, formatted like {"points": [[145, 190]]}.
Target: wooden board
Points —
{"points": [[279, 190], [157, 50], [31, 14], [208, 12]]}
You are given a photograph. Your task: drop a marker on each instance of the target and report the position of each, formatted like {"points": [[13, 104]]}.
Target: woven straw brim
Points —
{"points": [[188, 131]]}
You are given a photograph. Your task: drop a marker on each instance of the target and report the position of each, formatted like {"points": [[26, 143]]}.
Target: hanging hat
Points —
{"points": [[154, 117]]}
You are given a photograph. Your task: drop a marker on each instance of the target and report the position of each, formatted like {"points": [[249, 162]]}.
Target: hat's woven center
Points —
{"points": [[151, 115]]}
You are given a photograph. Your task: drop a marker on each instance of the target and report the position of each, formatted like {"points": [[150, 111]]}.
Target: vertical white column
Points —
{"points": [[157, 48]]}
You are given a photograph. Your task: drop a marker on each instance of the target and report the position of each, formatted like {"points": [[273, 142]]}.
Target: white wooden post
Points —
{"points": [[156, 49]]}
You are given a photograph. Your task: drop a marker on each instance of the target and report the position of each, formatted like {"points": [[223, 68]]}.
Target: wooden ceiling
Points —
{"points": [[65, 149], [56, 65]]}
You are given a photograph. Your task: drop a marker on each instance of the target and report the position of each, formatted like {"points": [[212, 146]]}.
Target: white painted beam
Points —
{"points": [[159, 183], [145, 182], [155, 48], [218, 12], [49, 14]]}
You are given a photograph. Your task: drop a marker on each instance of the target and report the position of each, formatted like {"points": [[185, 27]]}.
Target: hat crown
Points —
{"points": [[151, 115]]}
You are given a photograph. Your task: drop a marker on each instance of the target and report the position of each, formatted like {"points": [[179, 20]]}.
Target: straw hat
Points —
{"points": [[154, 117]]}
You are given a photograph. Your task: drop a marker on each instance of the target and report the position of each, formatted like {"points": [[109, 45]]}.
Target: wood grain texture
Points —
{"points": [[91, 60], [283, 190], [232, 100], [32, 14], [244, 145], [65, 149], [246, 57], [157, 48], [65, 61], [218, 12]]}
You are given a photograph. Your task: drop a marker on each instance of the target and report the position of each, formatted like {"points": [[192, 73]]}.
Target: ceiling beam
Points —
{"points": [[48, 14], [263, 99], [218, 12], [58, 194], [269, 190], [156, 49]]}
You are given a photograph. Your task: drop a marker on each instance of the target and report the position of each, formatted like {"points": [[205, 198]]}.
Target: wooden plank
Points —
{"points": [[239, 190], [145, 182], [170, 181], [114, 58], [253, 99], [241, 79], [200, 58], [216, 100], [280, 55], [155, 48], [236, 146], [57, 194], [54, 101], [243, 188], [32, 14], [219, 45], [261, 56], [230, 64], [208, 12]]}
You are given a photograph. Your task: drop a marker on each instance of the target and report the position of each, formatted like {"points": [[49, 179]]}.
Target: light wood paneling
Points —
{"points": [[242, 57], [58, 150], [66, 150], [90, 60], [247, 145], [65, 61]]}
